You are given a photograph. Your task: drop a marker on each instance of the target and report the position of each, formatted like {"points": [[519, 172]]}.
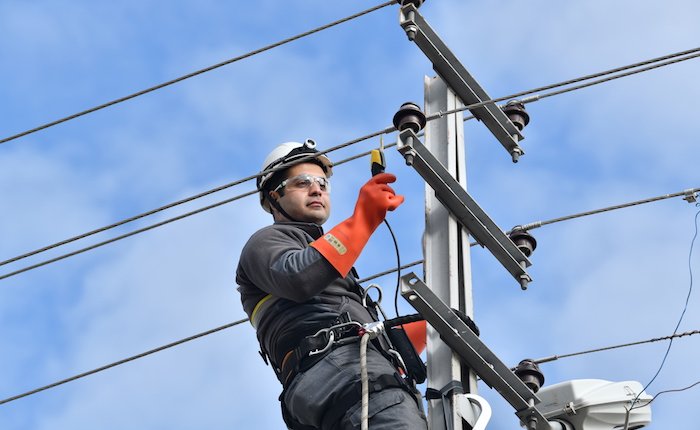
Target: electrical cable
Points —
{"points": [[685, 306], [369, 136], [670, 342], [398, 267], [403, 320], [390, 271], [654, 63], [153, 351], [124, 236], [198, 72], [676, 390], [253, 192], [120, 362], [608, 348], [689, 194], [343, 145], [165, 207]]}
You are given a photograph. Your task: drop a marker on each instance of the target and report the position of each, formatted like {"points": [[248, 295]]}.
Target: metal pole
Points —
{"points": [[446, 248]]}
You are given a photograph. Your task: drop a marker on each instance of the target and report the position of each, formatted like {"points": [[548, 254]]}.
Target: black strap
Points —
{"points": [[299, 358], [277, 206], [415, 368], [443, 395]]}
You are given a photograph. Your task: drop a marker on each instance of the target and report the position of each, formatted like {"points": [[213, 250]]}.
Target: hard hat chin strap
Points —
{"points": [[277, 206]]}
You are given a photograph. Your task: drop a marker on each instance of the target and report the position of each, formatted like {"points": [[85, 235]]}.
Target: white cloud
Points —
{"points": [[606, 279]]}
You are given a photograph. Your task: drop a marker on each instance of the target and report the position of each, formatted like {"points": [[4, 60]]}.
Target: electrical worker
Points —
{"points": [[295, 280]]}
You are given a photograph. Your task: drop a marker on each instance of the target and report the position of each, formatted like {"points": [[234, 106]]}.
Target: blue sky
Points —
{"points": [[613, 278]]}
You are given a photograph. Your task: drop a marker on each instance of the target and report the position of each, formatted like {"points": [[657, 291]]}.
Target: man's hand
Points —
{"points": [[375, 199], [343, 243]]}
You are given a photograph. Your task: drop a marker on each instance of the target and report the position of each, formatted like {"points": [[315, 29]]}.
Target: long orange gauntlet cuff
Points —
{"points": [[342, 245]]}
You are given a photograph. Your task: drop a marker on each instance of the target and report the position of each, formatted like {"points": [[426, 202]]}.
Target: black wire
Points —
{"points": [[198, 72], [675, 58], [398, 267], [390, 271], [608, 348], [685, 308], [124, 236], [537, 224], [153, 351], [369, 136], [676, 390], [120, 362], [165, 207]]}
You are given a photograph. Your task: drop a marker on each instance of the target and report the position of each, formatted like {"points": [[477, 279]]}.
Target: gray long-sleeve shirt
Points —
{"points": [[307, 291]]}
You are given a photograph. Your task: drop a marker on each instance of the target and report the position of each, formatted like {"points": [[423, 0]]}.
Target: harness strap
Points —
{"points": [[312, 349], [443, 395]]}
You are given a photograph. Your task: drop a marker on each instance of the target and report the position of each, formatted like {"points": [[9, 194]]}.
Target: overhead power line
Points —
{"points": [[608, 348], [198, 72], [651, 64], [124, 236], [235, 323], [120, 362], [159, 349], [677, 57], [159, 224], [689, 194], [366, 137]]}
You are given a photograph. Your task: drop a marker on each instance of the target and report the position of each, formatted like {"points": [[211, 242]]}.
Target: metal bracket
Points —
{"points": [[448, 66], [474, 409], [460, 204], [475, 354]]}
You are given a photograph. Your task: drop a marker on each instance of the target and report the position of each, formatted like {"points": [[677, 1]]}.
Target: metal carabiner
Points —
{"points": [[377, 302], [331, 340], [331, 335]]}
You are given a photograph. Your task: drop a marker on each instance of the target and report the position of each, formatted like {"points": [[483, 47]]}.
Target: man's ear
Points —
{"points": [[274, 195]]}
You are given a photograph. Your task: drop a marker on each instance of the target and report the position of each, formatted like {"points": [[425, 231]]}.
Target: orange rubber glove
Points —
{"points": [[343, 243], [417, 334]]}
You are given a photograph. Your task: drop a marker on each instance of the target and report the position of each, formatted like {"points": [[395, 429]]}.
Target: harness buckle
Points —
{"points": [[335, 334]]}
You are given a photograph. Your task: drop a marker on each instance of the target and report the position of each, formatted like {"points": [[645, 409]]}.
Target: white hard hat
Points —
{"points": [[285, 153]]}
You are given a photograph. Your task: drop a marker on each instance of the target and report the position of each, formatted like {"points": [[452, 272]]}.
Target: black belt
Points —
{"points": [[313, 348]]}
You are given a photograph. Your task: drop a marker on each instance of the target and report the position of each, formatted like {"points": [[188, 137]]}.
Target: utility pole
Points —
{"points": [[447, 260], [450, 213]]}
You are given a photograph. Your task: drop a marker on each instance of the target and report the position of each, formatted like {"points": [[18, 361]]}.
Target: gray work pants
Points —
{"points": [[314, 391]]}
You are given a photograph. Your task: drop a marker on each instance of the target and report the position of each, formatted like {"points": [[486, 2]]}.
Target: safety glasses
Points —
{"points": [[304, 181]]}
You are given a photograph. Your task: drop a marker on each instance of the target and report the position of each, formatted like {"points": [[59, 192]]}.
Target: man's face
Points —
{"points": [[310, 204]]}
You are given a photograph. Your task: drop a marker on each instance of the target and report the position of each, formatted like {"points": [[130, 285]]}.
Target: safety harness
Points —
{"points": [[314, 348], [392, 343]]}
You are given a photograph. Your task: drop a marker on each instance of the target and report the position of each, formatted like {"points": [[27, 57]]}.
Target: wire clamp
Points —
{"points": [[691, 195]]}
